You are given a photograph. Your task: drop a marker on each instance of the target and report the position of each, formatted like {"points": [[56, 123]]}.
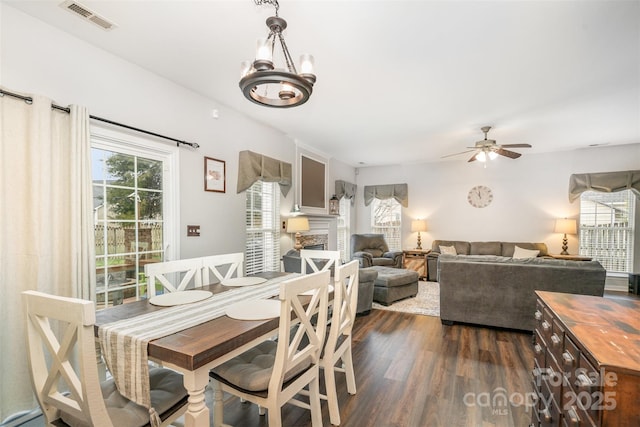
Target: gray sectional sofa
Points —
{"points": [[504, 249], [499, 291]]}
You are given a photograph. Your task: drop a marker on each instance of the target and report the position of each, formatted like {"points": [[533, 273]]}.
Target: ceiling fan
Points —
{"points": [[487, 149]]}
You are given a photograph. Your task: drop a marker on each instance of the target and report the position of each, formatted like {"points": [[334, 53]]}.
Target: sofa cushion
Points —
{"points": [[520, 253], [449, 250], [509, 247], [486, 248], [462, 248]]}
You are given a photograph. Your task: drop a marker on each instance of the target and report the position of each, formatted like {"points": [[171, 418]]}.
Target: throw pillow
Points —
{"points": [[449, 250], [520, 253]]}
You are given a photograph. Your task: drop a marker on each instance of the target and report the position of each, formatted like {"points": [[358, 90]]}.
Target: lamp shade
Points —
{"points": [[418, 225], [566, 226], [297, 223]]}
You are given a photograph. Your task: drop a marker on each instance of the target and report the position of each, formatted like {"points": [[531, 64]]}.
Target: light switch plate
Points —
{"points": [[193, 230]]}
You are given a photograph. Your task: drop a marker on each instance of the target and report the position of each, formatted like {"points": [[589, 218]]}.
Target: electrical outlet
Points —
{"points": [[193, 230], [284, 225]]}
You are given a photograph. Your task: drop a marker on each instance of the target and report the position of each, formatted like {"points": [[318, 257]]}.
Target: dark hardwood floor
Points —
{"points": [[411, 371]]}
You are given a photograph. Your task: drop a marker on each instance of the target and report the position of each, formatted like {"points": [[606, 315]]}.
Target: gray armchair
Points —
{"points": [[371, 250]]}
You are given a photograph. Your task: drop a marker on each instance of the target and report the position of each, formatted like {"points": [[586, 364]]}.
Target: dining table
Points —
{"points": [[196, 350]]}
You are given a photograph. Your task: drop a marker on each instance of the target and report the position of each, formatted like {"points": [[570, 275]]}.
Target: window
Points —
{"points": [[386, 218], [607, 229], [344, 230], [262, 251], [133, 219]]}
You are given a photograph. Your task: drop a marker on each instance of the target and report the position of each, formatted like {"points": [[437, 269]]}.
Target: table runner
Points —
{"points": [[124, 343]]}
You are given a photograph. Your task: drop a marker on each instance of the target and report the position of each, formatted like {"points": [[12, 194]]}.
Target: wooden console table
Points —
{"points": [[586, 361], [571, 257], [416, 260]]}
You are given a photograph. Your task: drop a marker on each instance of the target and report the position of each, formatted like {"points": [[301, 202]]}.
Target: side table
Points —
{"points": [[416, 260]]}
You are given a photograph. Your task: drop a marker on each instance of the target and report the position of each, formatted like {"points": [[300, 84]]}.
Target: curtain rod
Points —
{"points": [[29, 100]]}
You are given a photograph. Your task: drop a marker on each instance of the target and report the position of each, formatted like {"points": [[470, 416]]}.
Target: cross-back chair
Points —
{"points": [[310, 257], [274, 372], [62, 354], [233, 262], [338, 346], [181, 271]]}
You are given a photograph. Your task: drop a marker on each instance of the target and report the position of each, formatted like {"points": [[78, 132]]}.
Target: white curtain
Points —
{"points": [[46, 224]]}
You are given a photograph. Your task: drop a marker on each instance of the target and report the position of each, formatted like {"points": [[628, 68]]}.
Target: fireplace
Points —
{"points": [[322, 233]]}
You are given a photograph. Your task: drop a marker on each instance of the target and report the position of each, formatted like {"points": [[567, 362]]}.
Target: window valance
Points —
{"points": [[346, 189], [606, 182], [253, 167], [399, 192]]}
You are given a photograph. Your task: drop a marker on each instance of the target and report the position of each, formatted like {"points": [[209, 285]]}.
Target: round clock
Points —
{"points": [[480, 196]]}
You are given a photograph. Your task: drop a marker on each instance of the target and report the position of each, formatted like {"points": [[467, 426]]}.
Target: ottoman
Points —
{"points": [[394, 284]]}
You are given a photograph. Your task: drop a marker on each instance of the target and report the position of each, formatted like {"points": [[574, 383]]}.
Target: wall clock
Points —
{"points": [[480, 196]]}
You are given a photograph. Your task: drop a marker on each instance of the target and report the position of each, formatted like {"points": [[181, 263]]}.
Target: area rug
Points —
{"points": [[427, 302]]}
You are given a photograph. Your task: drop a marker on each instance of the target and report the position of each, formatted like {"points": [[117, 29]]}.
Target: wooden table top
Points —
{"points": [[608, 327], [194, 347]]}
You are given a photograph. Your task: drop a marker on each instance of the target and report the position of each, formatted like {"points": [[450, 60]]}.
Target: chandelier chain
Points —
{"points": [[273, 3]]}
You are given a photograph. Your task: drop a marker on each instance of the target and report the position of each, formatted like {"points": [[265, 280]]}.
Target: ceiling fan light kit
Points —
{"points": [[488, 149], [266, 85]]}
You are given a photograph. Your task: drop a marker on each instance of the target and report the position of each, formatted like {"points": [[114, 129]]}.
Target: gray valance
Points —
{"points": [[606, 182], [253, 167], [346, 189], [400, 192]]}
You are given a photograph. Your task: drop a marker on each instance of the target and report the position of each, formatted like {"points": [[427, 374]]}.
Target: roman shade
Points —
{"points": [[346, 189], [254, 166], [606, 182], [399, 192]]}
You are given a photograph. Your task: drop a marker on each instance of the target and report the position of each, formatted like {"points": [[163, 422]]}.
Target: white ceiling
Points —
{"points": [[401, 81]]}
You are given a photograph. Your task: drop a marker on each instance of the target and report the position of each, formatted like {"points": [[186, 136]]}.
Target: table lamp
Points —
{"points": [[565, 226], [418, 225], [297, 224]]}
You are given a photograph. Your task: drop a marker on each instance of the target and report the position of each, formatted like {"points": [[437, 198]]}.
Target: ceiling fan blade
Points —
{"points": [[462, 152], [516, 145], [473, 159], [507, 153]]}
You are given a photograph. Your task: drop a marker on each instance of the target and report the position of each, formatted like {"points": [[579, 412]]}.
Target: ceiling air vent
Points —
{"points": [[87, 14]]}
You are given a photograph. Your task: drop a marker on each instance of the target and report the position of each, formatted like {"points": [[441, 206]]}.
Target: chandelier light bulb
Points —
{"points": [[306, 63], [286, 92], [245, 68], [263, 50]]}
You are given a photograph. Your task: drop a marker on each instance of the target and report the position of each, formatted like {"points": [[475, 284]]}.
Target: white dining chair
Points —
{"points": [[337, 349], [64, 371], [173, 275], [222, 266], [309, 260], [274, 372]]}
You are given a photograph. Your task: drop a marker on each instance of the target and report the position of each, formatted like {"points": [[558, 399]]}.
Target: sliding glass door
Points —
{"points": [[133, 223]]}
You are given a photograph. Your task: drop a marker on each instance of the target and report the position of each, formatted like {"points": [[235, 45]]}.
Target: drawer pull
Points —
{"points": [[573, 417], [546, 325], [537, 349], [538, 315], [584, 381], [546, 415], [555, 340], [567, 358]]}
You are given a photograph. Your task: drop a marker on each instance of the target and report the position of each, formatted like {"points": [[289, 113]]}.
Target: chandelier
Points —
{"points": [[266, 85]]}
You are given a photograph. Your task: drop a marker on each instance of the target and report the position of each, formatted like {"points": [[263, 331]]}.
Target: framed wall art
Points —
{"points": [[215, 178]]}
